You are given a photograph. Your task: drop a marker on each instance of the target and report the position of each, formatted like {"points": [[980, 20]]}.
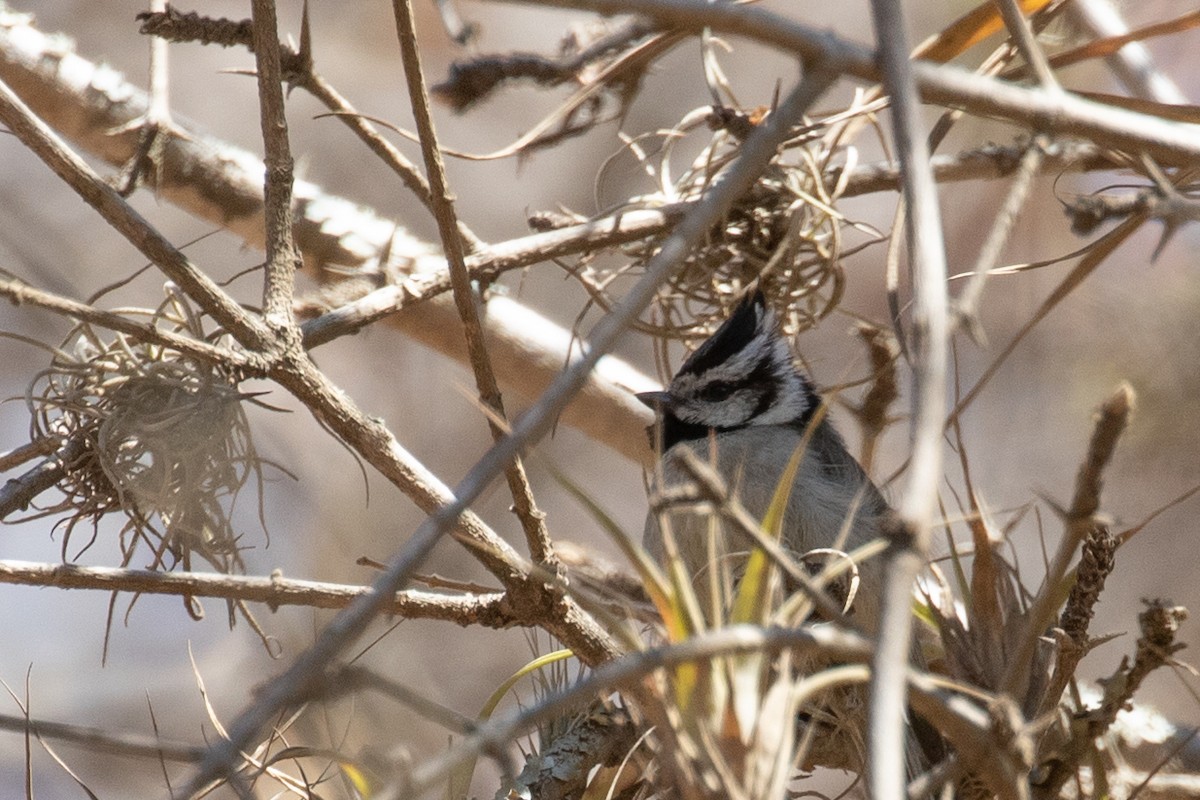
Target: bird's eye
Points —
{"points": [[716, 392]]}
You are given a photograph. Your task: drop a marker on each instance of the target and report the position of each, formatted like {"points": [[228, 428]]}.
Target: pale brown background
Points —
{"points": [[1132, 321]]}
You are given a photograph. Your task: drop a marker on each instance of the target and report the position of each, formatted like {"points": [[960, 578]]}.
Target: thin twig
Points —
{"points": [[990, 161], [20, 293], [224, 185], [1097, 252], [532, 520], [290, 369], [1027, 45], [1132, 64], [490, 263], [488, 609], [905, 555], [17, 493], [103, 740], [950, 86], [282, 259], [46, 145], [967, 306]]}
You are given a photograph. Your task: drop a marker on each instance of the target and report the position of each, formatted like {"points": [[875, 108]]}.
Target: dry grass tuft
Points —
{"points": [[159, 436], [786, 233]]}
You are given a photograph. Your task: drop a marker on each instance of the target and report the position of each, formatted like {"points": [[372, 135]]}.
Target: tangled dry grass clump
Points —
{"points": [[785, 235], [156, 435]]}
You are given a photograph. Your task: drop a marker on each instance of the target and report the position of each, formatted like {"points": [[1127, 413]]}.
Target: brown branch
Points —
{"points": [[27, 452], [282, 259], [909, 536], [1096, 562], [289, 368], [590, 645], [21, 293], [488, 610], [18, 493], [532, 520], [224, 185], [950, 86], [46, 145], [173, 25]]}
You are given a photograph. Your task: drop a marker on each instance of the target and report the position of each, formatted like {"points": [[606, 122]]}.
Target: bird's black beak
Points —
{"points": [[659, 401]]}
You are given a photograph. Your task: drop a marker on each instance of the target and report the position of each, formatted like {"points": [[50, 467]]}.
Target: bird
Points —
{"points": [[740, 403]]}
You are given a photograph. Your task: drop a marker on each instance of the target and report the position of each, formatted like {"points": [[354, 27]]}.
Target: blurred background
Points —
{"points": [[1133, 320]]}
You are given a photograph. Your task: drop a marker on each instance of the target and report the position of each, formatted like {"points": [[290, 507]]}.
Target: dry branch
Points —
{"points": [[223, 184], [950, 86], [909, 537], [483, 609], [541, 550]]}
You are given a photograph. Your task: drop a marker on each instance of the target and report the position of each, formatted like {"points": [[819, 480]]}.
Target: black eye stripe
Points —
{"points": [[762, 378], [717, 391]]}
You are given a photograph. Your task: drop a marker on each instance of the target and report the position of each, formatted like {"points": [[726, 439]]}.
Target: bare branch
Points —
{"points": [[909, 544], [18, 493], [20, 293], [967, 310], [1131, 64], [224, 185], [1026, 42], [945, 85], [46, 144], [991, 161], [488, 610], [282, 259], [104, 741], [532, 520]]}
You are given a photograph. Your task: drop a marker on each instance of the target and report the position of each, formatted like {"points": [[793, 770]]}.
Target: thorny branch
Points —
{"points": [[275, 591], [909, 543], [532, 520]]}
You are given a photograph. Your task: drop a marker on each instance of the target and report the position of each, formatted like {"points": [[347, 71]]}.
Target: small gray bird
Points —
{"points": [[740, 394]]}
